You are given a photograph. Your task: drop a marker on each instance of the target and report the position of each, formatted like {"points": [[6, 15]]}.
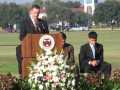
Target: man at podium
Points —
{"points": [[32, 24]]}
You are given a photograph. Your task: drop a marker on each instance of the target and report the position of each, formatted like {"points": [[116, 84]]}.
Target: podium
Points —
{"points": [[30, 47]]}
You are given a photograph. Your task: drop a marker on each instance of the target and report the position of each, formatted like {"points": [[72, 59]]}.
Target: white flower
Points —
{"points": [[47, 84], [73, 82], [53, 85], [51, 60], [48, 53], [42, 68], [41, 87], [45, 62], [45, 57], [41, 74], [54, 73], [60, 61], [56, 79], [53, 68]]}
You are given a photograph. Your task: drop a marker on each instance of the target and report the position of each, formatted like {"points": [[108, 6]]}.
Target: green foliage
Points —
{"points": [[107, 12], [38, 2], [57, 11], [79, 18], [11, 13], [21, 85]]}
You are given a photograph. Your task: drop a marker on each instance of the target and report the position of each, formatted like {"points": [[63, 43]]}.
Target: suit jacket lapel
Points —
{"points": [[32, 27], [96, 50], [38, 26]]}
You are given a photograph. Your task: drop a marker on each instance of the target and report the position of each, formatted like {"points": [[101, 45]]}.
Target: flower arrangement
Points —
{"points": [[51, 72], [90, 82]]}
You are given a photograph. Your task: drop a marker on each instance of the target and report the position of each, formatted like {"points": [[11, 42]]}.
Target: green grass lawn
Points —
{"points": [[110, 40], [8, 61]]}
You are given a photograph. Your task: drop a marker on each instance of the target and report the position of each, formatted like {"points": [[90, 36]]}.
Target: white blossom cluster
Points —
{"points": [[51, 72]]}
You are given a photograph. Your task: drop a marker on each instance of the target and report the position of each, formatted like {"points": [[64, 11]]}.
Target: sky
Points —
{"points": [[17, 1], [30, 1]]}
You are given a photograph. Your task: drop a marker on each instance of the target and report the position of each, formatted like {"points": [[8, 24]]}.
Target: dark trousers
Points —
{"points": [[19, 58], [105, 68]]}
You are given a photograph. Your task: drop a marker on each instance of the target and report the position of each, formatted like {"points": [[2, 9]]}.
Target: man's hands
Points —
{"points": [[93, 63]]}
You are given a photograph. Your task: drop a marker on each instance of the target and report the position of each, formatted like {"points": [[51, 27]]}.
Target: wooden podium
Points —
{"points": [[30, 47]]}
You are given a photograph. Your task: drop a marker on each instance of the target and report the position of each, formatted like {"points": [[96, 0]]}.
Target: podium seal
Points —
{"points": [[47, 42]]}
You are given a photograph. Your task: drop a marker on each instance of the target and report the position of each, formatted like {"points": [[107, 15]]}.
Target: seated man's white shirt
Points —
{"points": [[93, 49]]}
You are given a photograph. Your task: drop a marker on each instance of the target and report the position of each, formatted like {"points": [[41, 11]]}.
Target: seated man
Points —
{"points": [[91, 57]]}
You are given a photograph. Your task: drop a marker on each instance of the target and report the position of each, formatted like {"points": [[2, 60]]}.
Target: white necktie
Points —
{"points": [[93, 50]]}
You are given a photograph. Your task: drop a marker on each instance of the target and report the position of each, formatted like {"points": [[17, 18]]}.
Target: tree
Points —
{"points": [[58, 11], [107, 12], [79, 18], [11, 13]]}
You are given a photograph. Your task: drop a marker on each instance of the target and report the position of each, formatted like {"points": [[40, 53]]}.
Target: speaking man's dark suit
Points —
{"points": [[27, 26], [86, 55], [44, 26]]}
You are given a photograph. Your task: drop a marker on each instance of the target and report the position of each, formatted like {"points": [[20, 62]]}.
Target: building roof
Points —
{"points": [[78, 9]]}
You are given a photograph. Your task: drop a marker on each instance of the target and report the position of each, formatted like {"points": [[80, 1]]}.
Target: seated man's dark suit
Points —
{"points": [[86, 55]]}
